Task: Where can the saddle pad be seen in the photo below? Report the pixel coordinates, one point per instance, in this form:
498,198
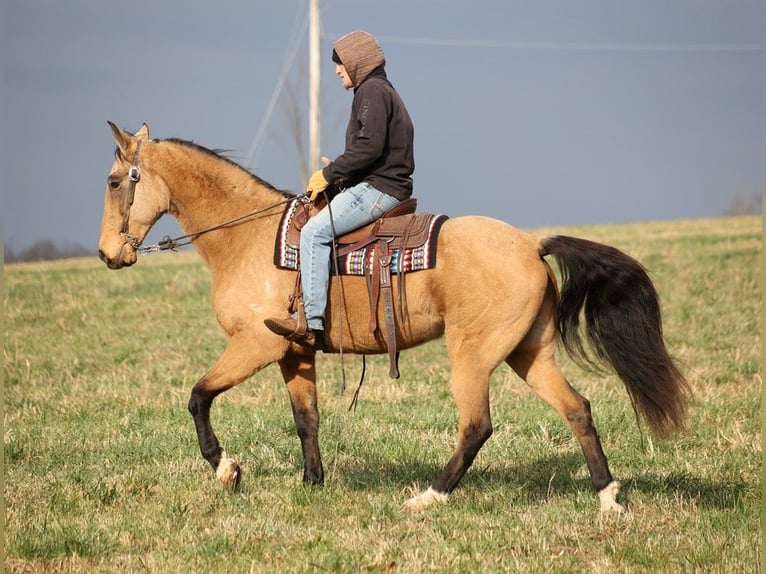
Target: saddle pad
359,262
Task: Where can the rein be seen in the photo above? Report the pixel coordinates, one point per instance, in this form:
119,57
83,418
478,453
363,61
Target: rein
168,243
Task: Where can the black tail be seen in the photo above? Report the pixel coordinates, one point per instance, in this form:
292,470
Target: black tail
623,326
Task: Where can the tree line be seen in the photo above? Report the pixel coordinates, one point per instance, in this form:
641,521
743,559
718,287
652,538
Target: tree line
46,250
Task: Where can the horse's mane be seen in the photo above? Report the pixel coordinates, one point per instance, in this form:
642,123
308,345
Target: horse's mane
217,154
220,154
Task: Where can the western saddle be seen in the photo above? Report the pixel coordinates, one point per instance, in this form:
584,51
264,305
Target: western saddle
399,228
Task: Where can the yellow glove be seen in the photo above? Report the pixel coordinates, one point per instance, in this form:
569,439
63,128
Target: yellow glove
317,184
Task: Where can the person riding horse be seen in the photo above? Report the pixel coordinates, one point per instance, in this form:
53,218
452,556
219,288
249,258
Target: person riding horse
375,171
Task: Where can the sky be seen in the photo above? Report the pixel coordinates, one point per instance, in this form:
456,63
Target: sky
537,112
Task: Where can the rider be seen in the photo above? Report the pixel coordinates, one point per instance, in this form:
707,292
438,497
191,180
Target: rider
374,172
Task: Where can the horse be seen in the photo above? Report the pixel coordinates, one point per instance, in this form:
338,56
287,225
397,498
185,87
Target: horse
492,296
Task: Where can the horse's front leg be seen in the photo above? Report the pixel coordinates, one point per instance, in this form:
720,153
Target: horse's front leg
300,376
227,470
241,359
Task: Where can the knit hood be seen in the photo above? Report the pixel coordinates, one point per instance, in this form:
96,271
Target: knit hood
360,54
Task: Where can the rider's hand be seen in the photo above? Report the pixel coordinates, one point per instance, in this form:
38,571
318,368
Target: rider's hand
317,184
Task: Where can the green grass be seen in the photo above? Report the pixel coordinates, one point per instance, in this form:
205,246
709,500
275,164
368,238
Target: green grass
103,474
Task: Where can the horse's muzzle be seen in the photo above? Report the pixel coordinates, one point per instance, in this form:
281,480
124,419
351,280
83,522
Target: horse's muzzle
120,260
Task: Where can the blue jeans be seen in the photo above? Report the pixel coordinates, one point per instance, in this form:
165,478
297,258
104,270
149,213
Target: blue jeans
351,209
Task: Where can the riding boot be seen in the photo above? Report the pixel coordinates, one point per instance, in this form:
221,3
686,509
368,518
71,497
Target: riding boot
291,329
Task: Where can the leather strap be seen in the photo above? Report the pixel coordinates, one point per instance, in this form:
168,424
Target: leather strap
134,176
296,306
374,286
384,258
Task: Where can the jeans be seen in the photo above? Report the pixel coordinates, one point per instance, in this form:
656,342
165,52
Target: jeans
351,209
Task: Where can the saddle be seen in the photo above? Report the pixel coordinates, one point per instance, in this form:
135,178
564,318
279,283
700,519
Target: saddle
382,248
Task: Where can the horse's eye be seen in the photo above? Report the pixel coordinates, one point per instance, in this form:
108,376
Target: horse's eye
114,183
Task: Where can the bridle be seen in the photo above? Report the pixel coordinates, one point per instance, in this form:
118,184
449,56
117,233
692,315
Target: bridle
168,243
134,175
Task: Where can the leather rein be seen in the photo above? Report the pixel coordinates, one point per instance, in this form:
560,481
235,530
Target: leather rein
168,243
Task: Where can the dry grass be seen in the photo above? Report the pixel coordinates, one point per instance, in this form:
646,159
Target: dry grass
102,471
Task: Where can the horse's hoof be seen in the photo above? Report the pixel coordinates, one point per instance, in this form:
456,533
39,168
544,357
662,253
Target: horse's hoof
228,472
424,500
608,498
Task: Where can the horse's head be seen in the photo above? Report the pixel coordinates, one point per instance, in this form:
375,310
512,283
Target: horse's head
136,197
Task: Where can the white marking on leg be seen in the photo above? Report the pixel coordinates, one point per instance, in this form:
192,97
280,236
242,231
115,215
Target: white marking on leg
425,499
227,471
608,498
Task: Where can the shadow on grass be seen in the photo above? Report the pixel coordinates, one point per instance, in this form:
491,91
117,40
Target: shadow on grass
535,481
724,495
538,480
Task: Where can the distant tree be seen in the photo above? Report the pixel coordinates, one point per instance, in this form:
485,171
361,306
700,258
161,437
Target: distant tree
44,250
293,108
744,205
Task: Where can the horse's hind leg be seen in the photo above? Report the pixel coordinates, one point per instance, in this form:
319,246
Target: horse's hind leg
470,388
538,368
300,376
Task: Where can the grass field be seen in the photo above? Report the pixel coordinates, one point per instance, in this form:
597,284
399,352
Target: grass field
103,474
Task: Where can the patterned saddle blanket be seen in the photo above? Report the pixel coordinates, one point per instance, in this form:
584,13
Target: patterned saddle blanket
411,240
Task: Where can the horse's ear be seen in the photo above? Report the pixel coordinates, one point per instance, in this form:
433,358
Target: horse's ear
143,133
121,137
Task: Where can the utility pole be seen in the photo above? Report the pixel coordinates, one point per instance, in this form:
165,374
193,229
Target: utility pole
314,70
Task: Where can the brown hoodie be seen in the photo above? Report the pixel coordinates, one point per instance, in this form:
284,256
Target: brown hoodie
380,135
360,53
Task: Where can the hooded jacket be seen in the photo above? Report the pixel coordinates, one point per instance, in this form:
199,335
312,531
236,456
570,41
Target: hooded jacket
379,135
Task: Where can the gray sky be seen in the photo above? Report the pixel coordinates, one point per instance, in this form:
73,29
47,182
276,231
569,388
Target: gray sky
538,112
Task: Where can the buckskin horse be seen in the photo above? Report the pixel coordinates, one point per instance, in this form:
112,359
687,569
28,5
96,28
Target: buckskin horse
491,294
